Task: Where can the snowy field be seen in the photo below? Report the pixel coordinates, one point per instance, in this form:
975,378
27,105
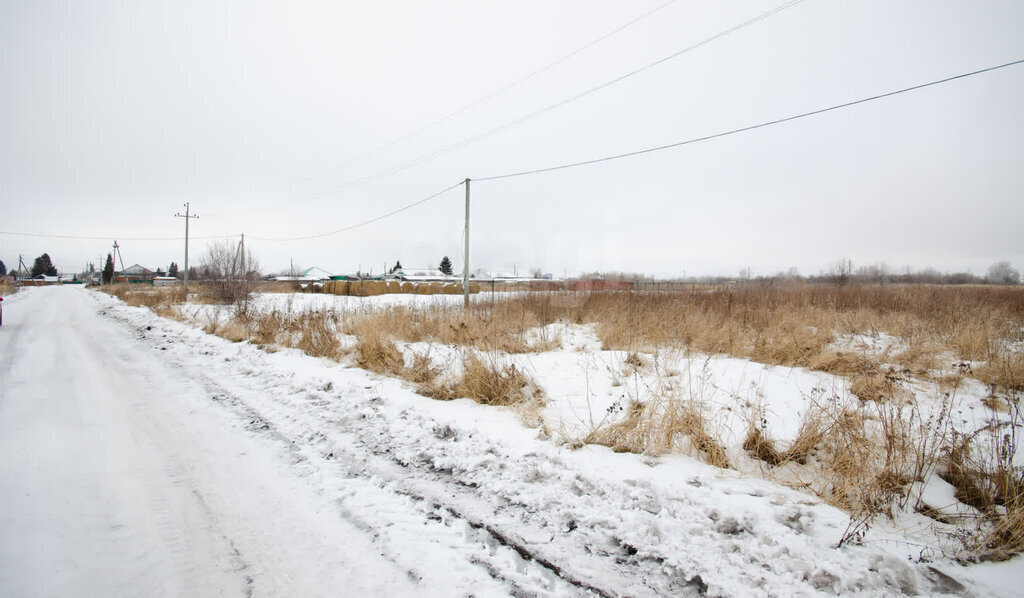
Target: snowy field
141,456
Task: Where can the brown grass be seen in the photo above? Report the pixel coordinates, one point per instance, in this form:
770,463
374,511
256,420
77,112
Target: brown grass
980,466
661,426
161,300
780,325
318,336
1003,369
377,353
492,384
861,456
809,438
877,385
485,382
794,325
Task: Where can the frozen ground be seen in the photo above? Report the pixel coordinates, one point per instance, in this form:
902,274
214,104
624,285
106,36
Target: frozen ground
140,456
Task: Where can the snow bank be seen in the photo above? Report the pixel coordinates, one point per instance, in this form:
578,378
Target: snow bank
589,519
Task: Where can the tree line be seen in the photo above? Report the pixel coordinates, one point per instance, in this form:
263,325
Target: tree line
42,265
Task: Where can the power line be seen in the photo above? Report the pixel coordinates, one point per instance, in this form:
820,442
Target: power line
434,154
562,166
365,222
496,92
748,128
109,237
302,238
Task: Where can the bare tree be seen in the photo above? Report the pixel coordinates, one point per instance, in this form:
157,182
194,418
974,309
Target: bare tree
1003,273
230,273
876,273
840,270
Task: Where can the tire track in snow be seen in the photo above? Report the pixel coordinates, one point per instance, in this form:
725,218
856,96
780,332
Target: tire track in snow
358,467
440,494
621,537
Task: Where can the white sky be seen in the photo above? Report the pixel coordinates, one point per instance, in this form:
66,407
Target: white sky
113,114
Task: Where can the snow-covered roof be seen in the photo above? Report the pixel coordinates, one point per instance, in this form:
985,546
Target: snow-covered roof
424,275
506,276
297,278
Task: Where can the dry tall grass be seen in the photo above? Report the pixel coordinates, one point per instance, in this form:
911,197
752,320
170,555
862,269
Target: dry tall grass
981,467
378,353
672,418
796,325
864,456
793,325
161,300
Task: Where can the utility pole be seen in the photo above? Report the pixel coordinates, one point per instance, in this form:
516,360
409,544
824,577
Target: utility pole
465,263
117,254
187,217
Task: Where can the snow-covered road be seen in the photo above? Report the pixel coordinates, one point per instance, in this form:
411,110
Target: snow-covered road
119,476
139,456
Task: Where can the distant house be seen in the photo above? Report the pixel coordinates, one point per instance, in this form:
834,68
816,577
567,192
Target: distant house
136,274
40,281
314,274
421,275
502,277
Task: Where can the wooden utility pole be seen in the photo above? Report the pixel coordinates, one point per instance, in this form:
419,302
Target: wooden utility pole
465,257
187,217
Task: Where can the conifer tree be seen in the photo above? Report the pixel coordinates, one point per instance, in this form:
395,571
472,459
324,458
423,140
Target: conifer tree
446,265
43,265
108,270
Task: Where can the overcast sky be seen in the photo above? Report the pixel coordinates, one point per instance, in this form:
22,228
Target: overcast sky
265,116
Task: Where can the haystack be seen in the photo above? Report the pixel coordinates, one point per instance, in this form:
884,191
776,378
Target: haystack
375,287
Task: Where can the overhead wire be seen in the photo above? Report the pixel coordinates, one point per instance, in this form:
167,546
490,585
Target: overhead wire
560,166
747,128
473,139
496,92
300,238
111,237
563,166
365,222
